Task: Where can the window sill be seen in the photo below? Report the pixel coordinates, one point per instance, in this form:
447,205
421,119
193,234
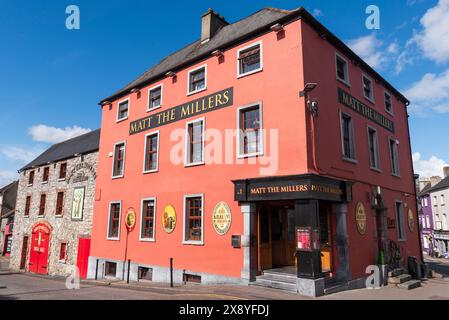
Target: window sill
62,261
41,216
396,175
117,177
196,164
154,108
61,179
147,240
402,240
353,161
196,91
150,171
59,215
344,82
376,169
113,239
250,155
249,73
389,112
121,120
369,99
193,243
44,182
30,185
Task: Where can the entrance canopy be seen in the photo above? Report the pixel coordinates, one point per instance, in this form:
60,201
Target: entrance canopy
298,187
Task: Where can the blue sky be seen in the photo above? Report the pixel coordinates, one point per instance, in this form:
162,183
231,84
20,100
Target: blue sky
52,78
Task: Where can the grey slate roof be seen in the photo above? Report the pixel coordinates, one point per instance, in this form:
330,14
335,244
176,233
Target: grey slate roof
425,190
9,198
234,33
443,184
83,144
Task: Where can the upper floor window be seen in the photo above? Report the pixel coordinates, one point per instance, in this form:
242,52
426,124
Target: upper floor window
197,80
31,178
425,202
373,148
60,204
119,160
46,174
250,59
428,222
155,98
148,219
151,152
368,91
342,68
388,102
400,221
444,222
347,136
27,206
435,201
123,110
250,139
42,204
114,220
442,200
195,142
63,171
193,232
394,156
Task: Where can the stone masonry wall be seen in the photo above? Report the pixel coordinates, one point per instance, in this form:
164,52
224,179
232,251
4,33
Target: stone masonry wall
64,229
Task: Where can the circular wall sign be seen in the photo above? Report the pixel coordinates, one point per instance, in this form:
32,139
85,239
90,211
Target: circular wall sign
130,219
360,217
222,218
411,220
169,219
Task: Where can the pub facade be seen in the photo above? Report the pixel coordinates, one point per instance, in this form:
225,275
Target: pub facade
266,147
55,200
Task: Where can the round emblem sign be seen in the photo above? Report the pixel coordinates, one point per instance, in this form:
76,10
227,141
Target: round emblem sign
360,217
169,219
222,218
411,220
130,219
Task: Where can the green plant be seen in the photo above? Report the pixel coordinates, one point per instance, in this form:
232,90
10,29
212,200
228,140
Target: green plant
381,258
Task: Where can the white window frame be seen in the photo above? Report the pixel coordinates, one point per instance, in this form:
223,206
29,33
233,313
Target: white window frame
444,222
352,133
398,173
145,152
443,200
204,66
425,202
391,112
400,222
119,221
240,75
427,218
191,242
124,160
154,220
240,154
161,85
435,201
371,99
376,148
187,142
345,81
117,120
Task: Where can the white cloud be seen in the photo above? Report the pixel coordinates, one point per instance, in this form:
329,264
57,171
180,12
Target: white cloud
433,39
7,177
21,155
373,50
43,133
317,13
430,94
428,168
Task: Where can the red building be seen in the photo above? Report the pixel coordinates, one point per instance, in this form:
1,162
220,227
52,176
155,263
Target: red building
265,136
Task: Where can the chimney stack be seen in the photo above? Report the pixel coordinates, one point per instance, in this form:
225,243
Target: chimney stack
211,22
446,172
434,180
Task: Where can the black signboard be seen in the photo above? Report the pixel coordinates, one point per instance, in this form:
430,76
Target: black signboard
300,187
206,104
361,108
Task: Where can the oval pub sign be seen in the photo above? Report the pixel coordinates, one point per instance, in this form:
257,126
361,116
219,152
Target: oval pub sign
169,219
222,218
360,217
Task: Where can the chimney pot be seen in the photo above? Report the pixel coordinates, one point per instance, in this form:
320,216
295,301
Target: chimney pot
446,172
211,22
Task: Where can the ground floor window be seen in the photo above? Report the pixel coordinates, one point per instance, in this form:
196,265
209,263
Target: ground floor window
148,213
400,221
145,274
110,269
114,220
63,252
193,219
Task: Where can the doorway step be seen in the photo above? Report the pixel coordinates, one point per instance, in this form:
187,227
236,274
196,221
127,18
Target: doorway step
400,279
332,286
277,280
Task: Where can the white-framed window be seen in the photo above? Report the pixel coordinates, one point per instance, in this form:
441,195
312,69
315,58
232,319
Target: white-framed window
437,222
342,68
155,97
123,110
394,156
443,202
428,222
388,102
193,231
347,137
425,202
151,157
114,217
368,91
148,220
250,131
197,80
194,151
435,201
444,222
373,146
118,165
400,221
250,59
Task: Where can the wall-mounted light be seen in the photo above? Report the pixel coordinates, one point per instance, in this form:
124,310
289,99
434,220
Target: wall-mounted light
277,27
307,89
135,90
312,105
171,74
217,53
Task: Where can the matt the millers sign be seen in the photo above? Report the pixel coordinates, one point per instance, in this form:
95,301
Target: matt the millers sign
361,108
206,104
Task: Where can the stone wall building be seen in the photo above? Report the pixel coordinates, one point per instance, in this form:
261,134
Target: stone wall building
8,195
54,208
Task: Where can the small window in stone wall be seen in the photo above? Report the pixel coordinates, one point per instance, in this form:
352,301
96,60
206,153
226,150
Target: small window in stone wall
110,269
63,252
145,274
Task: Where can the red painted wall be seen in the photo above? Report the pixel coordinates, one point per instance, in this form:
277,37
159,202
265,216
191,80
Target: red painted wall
277,86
